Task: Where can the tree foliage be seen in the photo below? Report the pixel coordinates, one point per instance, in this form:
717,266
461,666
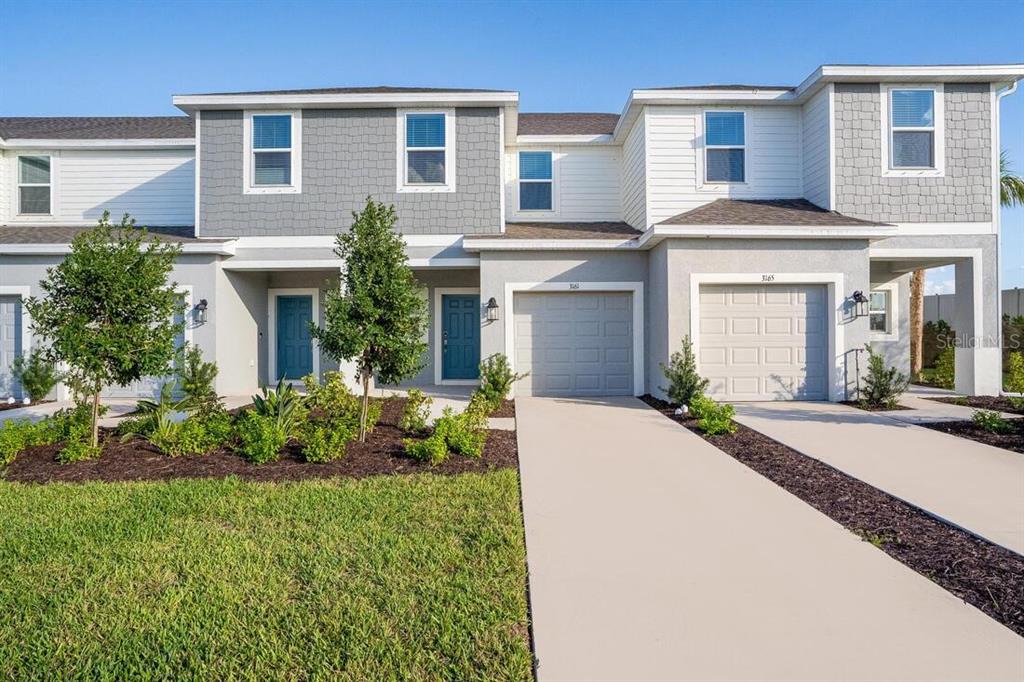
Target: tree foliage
377,317
108,311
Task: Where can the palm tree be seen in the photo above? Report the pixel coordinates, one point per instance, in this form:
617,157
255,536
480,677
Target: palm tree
1011,193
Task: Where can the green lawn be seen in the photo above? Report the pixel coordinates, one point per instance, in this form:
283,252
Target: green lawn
417,577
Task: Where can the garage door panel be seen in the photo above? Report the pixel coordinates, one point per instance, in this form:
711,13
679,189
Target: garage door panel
764,342
594,358
11,322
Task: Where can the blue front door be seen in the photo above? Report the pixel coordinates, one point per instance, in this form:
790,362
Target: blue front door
294,344
460,336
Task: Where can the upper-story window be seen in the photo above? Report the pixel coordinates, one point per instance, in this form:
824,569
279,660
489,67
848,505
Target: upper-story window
536,181
273,152
724,146
427,151
34,185
913,139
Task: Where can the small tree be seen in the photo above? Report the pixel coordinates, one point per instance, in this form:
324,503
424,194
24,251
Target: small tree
684,381
377,317
883,385
108,310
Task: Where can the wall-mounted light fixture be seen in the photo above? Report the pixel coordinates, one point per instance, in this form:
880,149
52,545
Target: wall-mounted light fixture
860,302
201,311
492,310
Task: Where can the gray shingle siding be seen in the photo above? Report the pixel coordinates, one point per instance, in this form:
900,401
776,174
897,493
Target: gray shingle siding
964,194
347,155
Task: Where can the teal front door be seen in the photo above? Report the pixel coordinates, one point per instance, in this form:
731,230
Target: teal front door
460,336
294,344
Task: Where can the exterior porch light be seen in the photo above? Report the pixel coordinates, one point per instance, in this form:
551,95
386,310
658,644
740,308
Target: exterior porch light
861,303
492,310
201,311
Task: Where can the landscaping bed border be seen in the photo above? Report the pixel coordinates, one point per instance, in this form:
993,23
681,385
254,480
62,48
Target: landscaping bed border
985,575
1012,440
980,402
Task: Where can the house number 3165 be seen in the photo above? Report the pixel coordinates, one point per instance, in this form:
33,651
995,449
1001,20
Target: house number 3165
767,278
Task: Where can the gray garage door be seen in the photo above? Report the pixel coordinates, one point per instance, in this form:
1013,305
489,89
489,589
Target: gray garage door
574,344
147,387
10,344
764,342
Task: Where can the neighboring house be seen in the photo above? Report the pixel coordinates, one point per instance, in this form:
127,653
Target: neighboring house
583,246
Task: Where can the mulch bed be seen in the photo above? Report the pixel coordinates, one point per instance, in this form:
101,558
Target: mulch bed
983,402
507,409
19,404
984,575
872,408
1011,440
137,460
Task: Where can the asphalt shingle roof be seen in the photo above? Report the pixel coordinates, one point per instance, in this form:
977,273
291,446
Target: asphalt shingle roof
63,234
567,124
96,127
763,212
362,90
606,230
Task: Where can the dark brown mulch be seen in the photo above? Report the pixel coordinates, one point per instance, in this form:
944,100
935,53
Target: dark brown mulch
16,405
507,409
983,402
984,575
382,454
1011,440
872,408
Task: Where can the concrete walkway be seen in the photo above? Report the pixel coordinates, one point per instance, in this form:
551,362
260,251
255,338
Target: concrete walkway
924,411
654,556
975,486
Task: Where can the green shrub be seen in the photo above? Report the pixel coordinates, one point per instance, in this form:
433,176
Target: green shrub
684,383
196,378
284,405
15,436
36,374
338,403
935,337
196,435
260,437
945,368
496,379
416,412
78,451
462,433
713,418
432,450
1015,372
139,425
70,424
326,441
883,385
991,421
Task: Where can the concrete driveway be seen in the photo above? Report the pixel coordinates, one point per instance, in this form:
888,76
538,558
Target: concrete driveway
654,556
975,486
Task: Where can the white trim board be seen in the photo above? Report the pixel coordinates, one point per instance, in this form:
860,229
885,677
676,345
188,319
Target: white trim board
295,154
22,292
892,314
450,154
272,295
154,143
439,292
636,288
938,130
330,241
834,282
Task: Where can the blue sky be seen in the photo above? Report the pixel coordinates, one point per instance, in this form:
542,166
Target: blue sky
93,58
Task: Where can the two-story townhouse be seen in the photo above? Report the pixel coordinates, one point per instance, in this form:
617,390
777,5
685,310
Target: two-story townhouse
776,226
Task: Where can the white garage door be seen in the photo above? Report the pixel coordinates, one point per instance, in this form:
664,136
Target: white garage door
574,344
764,342
10,344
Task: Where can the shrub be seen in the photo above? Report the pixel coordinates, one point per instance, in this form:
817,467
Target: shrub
883,385
416,412
464,434
684,383
1015,372
496,379
991,421
78,451
196,379
337,401
713,418
15,436
433,450
70,424
36,374
284,405
945,368
326,441
260,436
935,337
196,435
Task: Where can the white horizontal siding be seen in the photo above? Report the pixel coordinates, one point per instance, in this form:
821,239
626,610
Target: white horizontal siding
815,148
155,186
675,159
634,176
5,187
587,181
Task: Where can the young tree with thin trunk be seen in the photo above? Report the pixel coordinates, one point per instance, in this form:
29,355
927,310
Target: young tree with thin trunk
377,316
108,311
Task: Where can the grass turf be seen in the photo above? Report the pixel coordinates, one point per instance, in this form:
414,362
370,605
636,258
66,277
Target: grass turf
417,577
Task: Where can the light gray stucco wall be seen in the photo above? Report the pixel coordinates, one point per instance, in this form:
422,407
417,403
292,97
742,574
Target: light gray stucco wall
347,155
896,351
964,194
684,257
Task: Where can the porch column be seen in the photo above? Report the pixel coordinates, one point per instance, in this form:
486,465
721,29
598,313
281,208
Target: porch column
978,361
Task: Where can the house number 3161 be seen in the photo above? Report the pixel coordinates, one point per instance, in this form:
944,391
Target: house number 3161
767,278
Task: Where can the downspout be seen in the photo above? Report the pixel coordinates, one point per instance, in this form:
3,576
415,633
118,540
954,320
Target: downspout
997,217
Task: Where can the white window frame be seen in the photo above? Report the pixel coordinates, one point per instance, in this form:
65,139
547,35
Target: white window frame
704,156
18,184
938,130
449,153
248,162
892,329
520,181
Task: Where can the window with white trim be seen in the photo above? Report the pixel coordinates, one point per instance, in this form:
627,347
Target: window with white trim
912,128
35,188
426,149
725,146
536,181
273,152
878,311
